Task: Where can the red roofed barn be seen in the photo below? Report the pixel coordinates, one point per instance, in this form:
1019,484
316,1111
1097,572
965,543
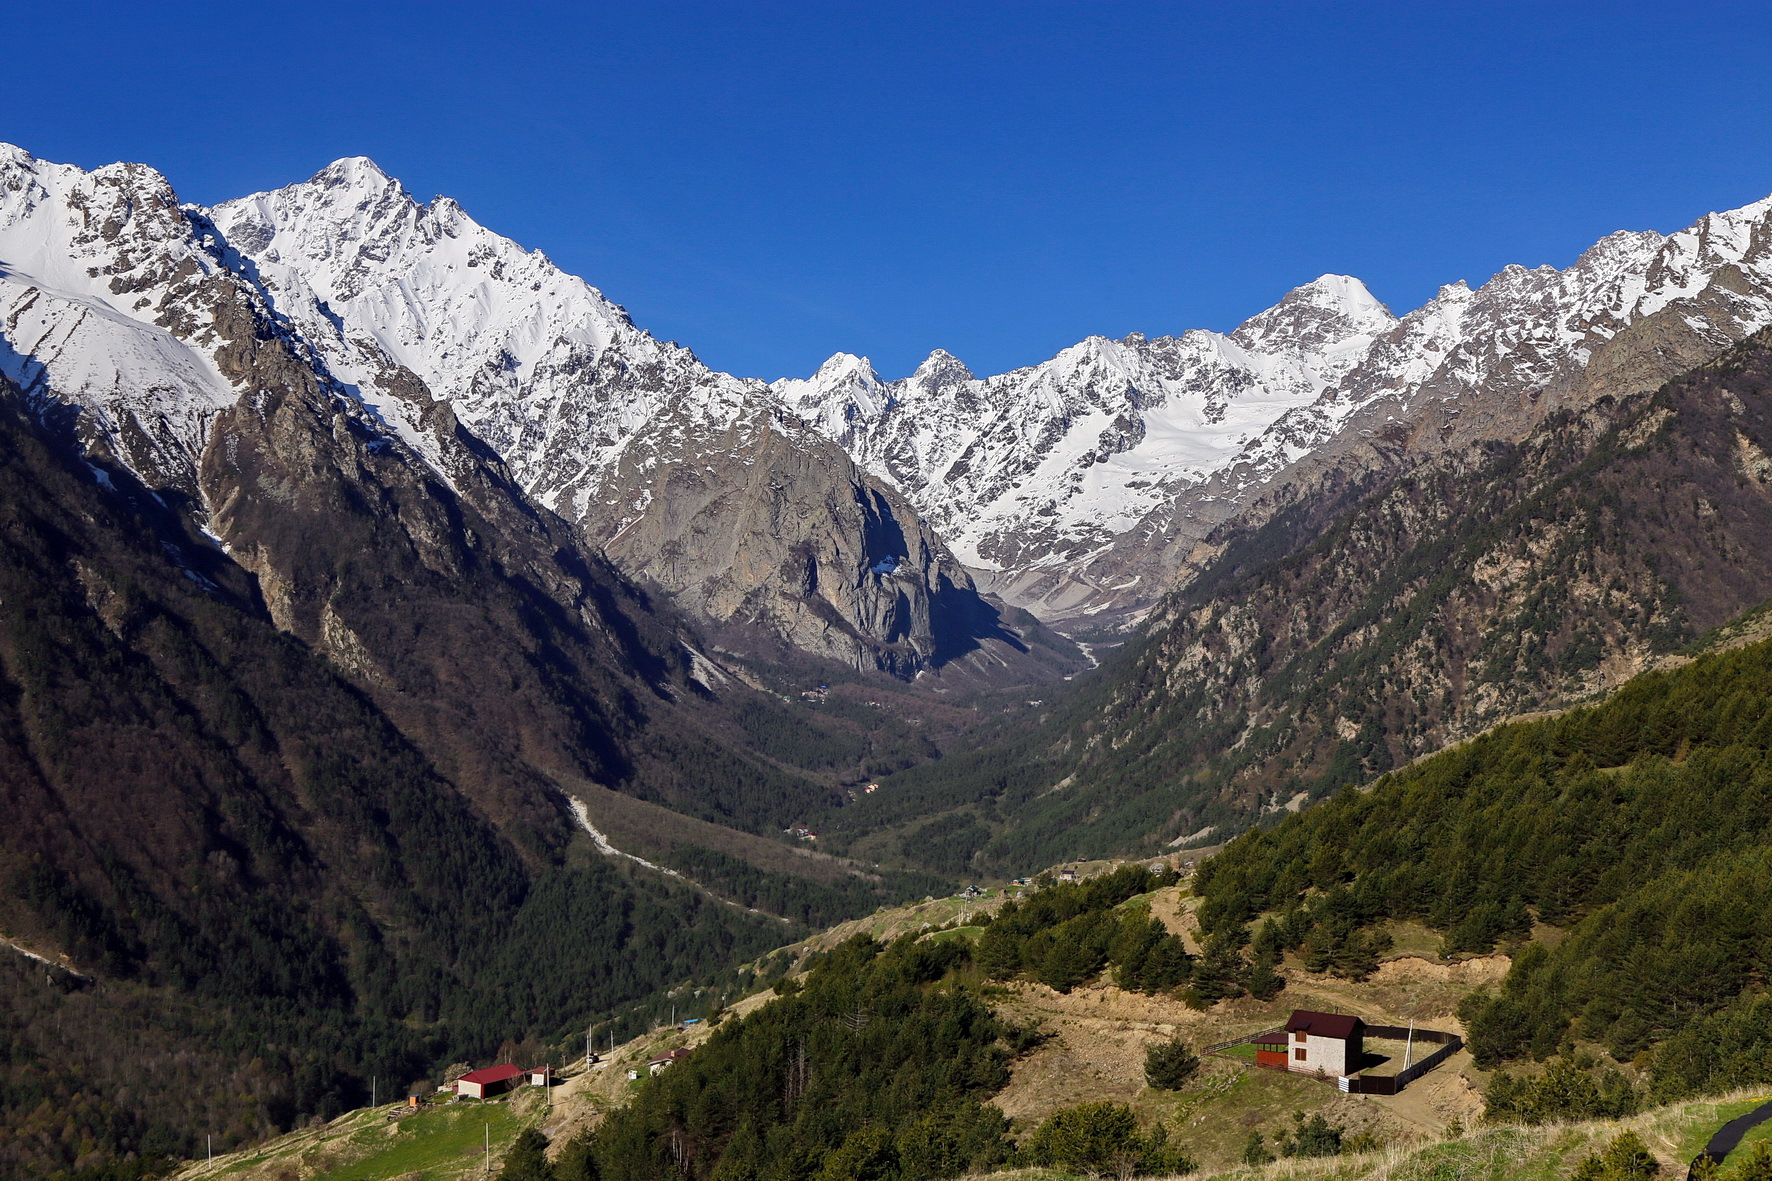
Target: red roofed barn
478,1084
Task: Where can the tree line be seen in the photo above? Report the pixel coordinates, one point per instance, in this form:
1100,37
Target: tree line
878,1064
1641,826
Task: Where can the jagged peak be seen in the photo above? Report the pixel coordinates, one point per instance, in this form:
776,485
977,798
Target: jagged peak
358,172
847,367
1343,295
941,367
1328,309
133,176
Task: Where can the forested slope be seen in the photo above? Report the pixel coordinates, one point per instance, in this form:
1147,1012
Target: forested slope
267,891
881,1060
1355,631
1640,828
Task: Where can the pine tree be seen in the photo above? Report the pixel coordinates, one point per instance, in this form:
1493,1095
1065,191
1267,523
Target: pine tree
999,952
1757,1167
576,1161
1265,982
1169,1065
527,1158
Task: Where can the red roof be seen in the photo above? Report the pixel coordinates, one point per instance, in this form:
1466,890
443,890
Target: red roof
491,1074
1339,1026
1276,1038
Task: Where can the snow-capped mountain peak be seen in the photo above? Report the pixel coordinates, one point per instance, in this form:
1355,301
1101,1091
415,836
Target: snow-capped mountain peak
1082,480
1326,311
1077,481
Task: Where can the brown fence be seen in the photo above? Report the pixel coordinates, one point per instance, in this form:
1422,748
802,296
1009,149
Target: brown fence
1215,1047
1389,1084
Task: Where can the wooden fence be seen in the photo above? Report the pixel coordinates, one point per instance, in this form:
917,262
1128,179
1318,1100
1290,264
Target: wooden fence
1215,1047
1389,1084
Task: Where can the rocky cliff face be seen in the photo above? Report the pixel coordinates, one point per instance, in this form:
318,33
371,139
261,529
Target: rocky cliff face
1034,475
694,480
380,530
1084,484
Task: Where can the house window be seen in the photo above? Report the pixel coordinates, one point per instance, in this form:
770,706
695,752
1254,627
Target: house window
1299,1036
1299,1053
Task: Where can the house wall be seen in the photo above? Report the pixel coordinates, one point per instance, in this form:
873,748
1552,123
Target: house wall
1328,1053
471,1090
1320,1053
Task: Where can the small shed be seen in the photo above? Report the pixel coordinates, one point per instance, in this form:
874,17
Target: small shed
654,1065
1273,1050
539,1076
492,1080
1331,1043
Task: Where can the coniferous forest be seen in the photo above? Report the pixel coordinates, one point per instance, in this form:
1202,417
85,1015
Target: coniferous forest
1640,828
876,1066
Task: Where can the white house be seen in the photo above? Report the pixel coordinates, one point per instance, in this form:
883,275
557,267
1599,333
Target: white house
1327,1042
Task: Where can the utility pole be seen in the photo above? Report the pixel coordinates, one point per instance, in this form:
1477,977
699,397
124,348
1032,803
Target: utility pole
372,1081
209,1141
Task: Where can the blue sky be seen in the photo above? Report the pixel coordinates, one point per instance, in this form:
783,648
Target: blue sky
770,183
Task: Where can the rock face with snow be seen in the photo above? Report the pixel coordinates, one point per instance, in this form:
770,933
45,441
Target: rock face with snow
1084,483
428,337
847,514
694,480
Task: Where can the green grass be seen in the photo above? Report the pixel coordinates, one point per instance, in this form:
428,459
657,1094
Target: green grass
1699,1135
1547,1153
437,1139
956,933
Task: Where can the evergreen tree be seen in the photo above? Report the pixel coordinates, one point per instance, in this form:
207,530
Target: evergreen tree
1627,1158
1756,1167
1265,981
1315,1136
1098,1138
527,1160
576,1161
1169,1065
999,951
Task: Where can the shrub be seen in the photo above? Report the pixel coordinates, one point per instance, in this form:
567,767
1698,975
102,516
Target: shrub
1097,1138
1169,1065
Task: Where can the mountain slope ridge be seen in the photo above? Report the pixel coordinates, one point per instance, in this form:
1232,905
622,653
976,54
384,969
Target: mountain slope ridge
1086,482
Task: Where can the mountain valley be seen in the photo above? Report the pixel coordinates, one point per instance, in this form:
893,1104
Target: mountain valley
406,659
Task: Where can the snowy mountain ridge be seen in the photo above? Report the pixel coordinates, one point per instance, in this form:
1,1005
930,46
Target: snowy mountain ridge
1083,482
1046,463
430,338
1075,485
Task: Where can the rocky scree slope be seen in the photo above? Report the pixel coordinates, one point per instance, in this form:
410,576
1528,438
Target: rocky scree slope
695,481
1084,484
1352,632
